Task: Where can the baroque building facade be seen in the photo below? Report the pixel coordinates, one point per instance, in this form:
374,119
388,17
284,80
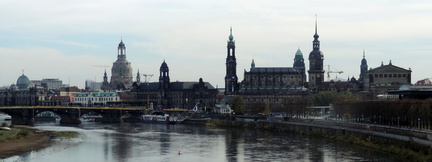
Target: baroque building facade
23,93
166,94
121,72
380,80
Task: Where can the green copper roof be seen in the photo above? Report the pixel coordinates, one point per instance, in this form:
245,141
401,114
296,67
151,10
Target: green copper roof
299,52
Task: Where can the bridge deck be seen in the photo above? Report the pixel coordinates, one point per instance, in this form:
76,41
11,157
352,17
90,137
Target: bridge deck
70,107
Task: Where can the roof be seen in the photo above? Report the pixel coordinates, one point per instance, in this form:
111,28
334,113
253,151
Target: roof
188,85
174,85
96,94
387,67
273,70
149,86
316,54
23,81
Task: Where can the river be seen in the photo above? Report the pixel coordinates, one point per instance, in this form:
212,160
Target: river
137,142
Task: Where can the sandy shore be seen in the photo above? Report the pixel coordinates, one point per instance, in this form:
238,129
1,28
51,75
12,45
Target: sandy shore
35,140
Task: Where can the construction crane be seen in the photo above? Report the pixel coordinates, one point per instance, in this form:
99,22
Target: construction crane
147,77
328,72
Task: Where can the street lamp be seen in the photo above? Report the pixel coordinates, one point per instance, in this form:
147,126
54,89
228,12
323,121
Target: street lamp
398,121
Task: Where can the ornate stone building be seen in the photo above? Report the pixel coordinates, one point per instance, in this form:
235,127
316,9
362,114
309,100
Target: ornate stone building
316,59
272,85
167,94
385,78
121,72
21,94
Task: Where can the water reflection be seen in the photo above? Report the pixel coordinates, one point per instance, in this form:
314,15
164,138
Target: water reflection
159,142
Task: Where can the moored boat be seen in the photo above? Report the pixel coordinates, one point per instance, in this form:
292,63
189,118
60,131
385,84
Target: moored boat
165,119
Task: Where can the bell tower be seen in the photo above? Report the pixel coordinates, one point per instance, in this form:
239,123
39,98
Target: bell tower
231,79
316,67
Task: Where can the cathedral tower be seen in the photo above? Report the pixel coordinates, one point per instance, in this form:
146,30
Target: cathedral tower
316,59
231,84
363,67
121,71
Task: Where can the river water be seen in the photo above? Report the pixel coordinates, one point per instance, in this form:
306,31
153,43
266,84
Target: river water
137,142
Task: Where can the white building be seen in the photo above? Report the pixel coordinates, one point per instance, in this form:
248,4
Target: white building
95,98
96,86
50,84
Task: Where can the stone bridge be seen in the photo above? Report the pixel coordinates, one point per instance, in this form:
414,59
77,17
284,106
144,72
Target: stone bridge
24,115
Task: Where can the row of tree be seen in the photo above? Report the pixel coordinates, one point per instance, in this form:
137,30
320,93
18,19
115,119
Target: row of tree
409,113
290,105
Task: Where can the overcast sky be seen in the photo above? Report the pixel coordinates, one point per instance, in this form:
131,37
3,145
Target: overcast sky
74,40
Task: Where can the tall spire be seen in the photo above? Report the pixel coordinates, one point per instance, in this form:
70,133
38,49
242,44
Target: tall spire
316,27
316,44
253,64
363,53
138,77
231,37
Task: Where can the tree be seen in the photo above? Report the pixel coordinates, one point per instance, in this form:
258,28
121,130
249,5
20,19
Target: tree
261,108
238,105
325,98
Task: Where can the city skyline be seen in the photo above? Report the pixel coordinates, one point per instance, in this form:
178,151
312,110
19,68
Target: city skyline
73,40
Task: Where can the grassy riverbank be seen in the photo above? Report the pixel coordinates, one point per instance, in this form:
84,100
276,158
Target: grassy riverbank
23,139
416,152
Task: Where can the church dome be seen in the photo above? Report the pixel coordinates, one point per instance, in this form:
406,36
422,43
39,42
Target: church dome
363,61
23,82
121,44
164,66
299,52
316,54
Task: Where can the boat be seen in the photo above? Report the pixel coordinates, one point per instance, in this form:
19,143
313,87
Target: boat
5,116
164,119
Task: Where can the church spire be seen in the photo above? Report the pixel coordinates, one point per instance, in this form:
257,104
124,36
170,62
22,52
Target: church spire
231,79
316,63
316,27
253,64
138,77
363,53
105,78
231,37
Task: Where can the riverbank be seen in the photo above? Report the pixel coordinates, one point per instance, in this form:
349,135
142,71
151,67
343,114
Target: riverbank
22,139
407,147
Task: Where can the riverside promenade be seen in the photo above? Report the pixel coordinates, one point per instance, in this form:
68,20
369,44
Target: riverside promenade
421,136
